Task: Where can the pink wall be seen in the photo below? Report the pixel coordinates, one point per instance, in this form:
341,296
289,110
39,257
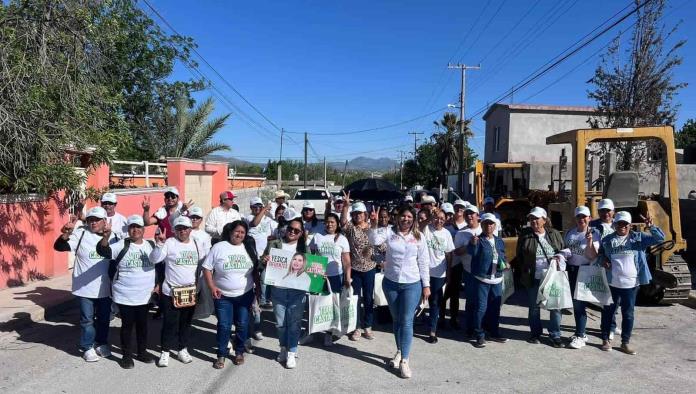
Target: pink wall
29,225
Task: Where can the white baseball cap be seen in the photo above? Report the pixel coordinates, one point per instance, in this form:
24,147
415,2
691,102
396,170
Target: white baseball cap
255,201
538,212
428,200
472,208
338,198
606,203
182,221
489,200
447,208
195,211
135,219
108,197
489,217
408,198
461,203
582,210
172,189
96,212
307,205
358,207
623,216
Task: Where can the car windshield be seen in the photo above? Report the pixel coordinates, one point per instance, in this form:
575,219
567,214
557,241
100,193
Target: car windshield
310,195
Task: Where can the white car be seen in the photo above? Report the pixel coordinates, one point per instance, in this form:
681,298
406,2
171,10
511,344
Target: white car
317,197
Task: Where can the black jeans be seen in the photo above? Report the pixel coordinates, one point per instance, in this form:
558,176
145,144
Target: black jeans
176,325
133,315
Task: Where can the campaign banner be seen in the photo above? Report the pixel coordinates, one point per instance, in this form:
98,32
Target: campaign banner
291,270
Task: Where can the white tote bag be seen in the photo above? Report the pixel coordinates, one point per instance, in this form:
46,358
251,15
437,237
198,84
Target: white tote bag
592,285
508,285
557,291
380,299
348,303
324,313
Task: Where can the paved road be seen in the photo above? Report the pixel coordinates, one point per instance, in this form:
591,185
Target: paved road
43,358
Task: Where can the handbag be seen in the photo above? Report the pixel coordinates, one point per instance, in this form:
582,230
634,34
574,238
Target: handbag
185,296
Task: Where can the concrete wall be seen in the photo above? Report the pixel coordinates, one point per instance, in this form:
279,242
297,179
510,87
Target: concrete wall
528,132
498,118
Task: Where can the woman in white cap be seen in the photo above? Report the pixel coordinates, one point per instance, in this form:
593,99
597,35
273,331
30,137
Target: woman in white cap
231,271
458,221
362,263
196,215
133,280
461,268
312,224
334,246
406,279
261,228
487,265
181,256
117,221
90,282
538,246
489,207
165,216
605,223
623,254
288,304
440,247
583,242
221,215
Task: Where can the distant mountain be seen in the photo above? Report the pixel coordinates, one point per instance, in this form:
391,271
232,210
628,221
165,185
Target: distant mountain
230,160
367,164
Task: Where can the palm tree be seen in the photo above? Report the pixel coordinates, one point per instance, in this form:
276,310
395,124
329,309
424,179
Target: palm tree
447,142
183,131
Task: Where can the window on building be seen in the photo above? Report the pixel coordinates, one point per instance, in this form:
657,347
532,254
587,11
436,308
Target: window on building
496,139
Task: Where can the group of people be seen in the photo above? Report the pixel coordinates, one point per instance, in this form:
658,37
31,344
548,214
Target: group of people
425,256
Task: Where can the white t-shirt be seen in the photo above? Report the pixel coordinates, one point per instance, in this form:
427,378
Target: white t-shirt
624,274
261,232
204,241
135,276
181,261
463,238
542,263
289,247
576,242
318,228
439,244
232,268
119,225
607,229
492,280
91,271
333,249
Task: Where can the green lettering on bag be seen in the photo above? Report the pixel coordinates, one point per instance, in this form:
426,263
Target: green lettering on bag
595,284
554,291
325,315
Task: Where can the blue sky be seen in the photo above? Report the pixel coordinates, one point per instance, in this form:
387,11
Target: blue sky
332,67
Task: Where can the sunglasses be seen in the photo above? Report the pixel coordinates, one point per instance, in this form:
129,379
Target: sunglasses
181,228
170,195
195,218
294,230
107,203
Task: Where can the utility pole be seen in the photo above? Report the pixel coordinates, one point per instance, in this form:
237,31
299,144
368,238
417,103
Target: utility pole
343,180
280,161
325,172
306,141
401,170
415,141
462,120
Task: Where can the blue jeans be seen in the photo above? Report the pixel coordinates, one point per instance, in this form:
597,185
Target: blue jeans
627,299
228,309
336,283
288,307
579,307
364,287
487,313
94,322
470,292
534,315
403,300
434,301
265,290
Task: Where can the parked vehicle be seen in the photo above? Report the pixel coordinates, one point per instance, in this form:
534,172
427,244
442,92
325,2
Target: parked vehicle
316,196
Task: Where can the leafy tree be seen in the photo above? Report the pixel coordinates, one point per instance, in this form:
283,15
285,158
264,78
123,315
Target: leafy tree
638,91
182,131
687,135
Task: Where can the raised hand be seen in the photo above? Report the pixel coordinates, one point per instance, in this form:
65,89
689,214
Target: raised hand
187,205
373,215
475,240
647,220
107,230
346,197
160,236
146,203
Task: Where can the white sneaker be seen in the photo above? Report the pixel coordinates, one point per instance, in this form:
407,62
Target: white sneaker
104,351
258,336
405,369
577,342
328,340
611,335
184,356
291,363
229,344
283,355
163,360
90,355
249,346
396,361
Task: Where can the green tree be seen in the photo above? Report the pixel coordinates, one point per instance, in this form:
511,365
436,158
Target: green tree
183,131
638,91
687,135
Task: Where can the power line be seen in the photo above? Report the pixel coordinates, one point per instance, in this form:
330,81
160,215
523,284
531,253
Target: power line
543,70
481,31
497,44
